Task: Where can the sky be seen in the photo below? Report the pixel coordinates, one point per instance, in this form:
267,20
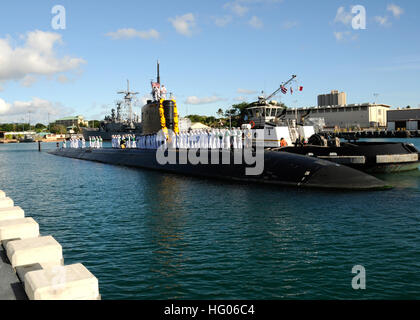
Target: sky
212,53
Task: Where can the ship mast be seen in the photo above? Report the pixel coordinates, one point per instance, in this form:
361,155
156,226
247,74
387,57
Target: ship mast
281,86
128,97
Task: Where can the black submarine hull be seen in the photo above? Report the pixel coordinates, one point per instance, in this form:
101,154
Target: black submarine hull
370,157
280,168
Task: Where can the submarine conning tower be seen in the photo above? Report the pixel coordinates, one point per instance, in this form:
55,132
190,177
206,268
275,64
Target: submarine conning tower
159,113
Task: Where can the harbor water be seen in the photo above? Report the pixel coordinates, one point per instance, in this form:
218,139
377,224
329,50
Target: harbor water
153,235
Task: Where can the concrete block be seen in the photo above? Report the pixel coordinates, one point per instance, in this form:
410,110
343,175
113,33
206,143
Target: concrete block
73,282
6,203
43,250
22,271
5,242
11,213
2,194
19,228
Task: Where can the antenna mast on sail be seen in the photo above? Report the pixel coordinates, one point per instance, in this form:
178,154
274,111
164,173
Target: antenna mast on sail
158,72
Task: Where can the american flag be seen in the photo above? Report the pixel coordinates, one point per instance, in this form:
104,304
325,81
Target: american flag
155,85
283,89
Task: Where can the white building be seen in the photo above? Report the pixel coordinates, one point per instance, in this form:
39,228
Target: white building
348,116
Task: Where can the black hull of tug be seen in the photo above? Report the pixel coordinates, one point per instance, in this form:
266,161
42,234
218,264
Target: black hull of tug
370,157
280,168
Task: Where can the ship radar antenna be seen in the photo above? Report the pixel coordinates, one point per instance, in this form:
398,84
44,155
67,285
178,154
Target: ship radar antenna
128,97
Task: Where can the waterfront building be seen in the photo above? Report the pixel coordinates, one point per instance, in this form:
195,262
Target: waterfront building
404,119
350,116
72,122
15,135
334,98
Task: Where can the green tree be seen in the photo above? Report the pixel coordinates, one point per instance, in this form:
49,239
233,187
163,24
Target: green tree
220,112
40,126
94,124
58,129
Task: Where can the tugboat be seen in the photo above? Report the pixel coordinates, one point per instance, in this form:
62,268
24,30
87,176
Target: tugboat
302,138
275,168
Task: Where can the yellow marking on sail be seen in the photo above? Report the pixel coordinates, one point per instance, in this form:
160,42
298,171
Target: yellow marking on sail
176,117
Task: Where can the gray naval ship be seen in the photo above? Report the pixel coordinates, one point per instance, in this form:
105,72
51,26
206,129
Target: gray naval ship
279,168
121,121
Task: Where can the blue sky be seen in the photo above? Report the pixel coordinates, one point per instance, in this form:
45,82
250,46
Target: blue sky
212,53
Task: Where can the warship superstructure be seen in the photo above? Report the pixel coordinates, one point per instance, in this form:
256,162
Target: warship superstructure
122,119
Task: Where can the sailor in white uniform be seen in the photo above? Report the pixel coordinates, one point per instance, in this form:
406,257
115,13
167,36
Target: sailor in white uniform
163,92
226,143
234,138
247,138
239,134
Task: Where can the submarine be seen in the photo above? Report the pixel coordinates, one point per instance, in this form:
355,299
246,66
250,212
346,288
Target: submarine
279,168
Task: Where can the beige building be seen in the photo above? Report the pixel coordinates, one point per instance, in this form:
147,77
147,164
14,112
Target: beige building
77,121
347,116
334,98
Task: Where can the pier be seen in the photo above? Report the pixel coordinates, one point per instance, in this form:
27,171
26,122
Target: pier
32,265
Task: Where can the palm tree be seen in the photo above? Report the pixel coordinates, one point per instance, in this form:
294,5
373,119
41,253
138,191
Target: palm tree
220,112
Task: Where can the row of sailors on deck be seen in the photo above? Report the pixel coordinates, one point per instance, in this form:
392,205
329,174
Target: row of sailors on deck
234,138
80,143
124,141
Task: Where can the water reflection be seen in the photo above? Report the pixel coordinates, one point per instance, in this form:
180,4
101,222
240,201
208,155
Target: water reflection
165,229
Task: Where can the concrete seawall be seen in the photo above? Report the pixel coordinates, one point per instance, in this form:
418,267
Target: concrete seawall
32,266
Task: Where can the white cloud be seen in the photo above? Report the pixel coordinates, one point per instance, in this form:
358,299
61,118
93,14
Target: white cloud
343,16
245,91
396,10
63,79
236,8
382,21
289,24
130,33
222,21
345,35
241,99
36,57
28,81
38,109
184,24
255,22
204,100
